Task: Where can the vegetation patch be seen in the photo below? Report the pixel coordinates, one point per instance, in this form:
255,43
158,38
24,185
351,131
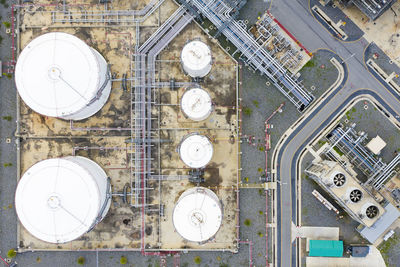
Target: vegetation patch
8,164
311,63
7,24
260,234
7,118
123,260
247,222
338,151
197,260
80,260
12,253
247,111
256,103
385,247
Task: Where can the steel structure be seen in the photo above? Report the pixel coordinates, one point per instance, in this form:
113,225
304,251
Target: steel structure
105,16
350,143
219,13
379,178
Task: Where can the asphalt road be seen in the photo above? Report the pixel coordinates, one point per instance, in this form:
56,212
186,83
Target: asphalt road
295,16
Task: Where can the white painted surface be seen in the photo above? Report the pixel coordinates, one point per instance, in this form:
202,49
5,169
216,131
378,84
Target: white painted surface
196,151
197,215
196,104
196,59
58,75
58,200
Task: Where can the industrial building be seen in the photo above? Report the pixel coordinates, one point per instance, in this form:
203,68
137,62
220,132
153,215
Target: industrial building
350,170
345,189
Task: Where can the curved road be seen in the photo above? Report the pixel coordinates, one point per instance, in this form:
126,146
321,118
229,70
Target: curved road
296,17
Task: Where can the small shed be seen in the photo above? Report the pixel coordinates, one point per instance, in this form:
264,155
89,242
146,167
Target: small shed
326,248
359,251
376,145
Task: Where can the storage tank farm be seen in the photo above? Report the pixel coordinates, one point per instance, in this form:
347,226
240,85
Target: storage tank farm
197,215
59,75
196,59
58,200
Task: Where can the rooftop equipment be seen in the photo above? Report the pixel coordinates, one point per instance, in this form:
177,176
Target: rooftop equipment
197,215
196,59
196,104
58,200
58,75
195,150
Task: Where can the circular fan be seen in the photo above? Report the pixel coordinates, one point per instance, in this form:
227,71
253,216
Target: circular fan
339,179
372,211
355,195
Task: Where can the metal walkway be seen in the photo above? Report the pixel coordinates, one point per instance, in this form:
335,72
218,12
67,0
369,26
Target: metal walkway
219,13
145,58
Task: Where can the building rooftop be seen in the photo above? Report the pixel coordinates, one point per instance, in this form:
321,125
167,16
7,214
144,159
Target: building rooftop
346,190
376,145
381,226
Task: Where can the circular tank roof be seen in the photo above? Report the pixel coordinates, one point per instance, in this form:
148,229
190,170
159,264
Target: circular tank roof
197,215
196,151
57,74
196,104
57,200
196,56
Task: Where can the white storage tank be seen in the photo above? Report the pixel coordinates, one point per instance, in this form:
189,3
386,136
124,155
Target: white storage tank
58,200
196,104
196,59
197,215
58,75
195,150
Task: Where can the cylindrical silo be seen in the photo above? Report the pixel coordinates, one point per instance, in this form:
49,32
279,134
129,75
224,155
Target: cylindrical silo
58,200
196,104
197,215
196,59
195,150
59,75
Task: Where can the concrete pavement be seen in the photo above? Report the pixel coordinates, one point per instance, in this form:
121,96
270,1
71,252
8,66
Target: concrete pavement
296,17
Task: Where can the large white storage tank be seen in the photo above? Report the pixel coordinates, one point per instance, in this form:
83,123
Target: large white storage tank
196,104
196,59
197,215
58,200
58,75
195,150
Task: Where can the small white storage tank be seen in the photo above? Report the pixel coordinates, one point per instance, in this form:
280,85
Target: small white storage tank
196,59
197,215
58,75
196,104
195,150
58,200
